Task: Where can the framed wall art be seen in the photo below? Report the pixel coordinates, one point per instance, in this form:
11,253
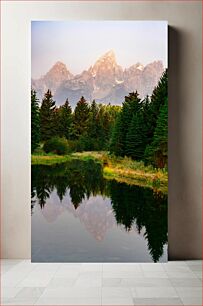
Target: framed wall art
99,134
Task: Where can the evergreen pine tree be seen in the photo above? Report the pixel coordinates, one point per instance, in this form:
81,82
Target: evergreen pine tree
137,135
146,107
35,127
104,126
93,120
47,117
160,93
81,116
157,152
64,120
115,146
90,138
130,107
158,99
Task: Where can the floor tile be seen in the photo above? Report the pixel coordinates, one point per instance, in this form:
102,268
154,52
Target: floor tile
127,267
198,274
9,292
192,301
90,275
61,282
22,301
116,292
178,274
6,268
69,301
68,272
97,282
30,292
46,267
175,263
177,268
157,301
193,262
146,282
88,267
73,292
189,291
185,282
112,282
36,280
150,267
15,275
155,274
117,301
4,301
154,292
122,274
196,268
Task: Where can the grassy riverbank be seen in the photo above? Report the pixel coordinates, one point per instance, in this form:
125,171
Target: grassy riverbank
121,169
49,159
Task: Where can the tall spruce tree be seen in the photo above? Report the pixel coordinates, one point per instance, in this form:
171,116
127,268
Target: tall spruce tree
93,124
104,126
47,117
80,119
146,126
157,152
130,107
35,124
64,120
115,146
100,124
90,137
160,93
137,135
158,99
113,112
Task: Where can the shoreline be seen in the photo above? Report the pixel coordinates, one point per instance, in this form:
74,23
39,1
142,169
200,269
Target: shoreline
121,169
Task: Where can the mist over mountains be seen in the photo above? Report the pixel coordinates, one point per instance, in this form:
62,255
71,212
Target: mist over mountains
105,81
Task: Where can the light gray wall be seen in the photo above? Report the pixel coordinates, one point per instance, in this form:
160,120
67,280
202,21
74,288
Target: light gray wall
185,62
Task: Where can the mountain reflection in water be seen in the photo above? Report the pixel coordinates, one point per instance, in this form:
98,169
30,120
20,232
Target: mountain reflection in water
104,208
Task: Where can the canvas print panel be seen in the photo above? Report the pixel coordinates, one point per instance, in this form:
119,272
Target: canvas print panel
99,134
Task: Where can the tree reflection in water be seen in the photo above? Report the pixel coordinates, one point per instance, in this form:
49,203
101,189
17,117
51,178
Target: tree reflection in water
131,205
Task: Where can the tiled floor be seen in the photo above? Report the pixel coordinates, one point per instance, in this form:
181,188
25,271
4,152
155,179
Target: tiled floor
172,283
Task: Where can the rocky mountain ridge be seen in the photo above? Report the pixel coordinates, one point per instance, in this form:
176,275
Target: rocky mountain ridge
105,81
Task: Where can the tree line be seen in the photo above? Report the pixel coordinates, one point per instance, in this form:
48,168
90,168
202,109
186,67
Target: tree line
141,129
137,129
88,127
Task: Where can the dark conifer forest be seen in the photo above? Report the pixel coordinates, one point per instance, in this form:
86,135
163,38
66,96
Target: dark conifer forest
138,129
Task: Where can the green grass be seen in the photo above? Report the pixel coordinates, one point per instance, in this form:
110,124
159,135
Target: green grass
121,169
130,171
52,159
49,159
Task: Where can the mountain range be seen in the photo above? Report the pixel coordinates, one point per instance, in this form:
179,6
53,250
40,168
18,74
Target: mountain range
105,81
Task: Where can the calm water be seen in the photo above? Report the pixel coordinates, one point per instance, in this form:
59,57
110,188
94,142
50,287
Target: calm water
78,216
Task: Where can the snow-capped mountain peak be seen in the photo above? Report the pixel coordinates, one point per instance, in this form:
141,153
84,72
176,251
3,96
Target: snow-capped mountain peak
105,81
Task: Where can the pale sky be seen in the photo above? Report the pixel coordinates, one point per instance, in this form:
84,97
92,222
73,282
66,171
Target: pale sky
78,44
